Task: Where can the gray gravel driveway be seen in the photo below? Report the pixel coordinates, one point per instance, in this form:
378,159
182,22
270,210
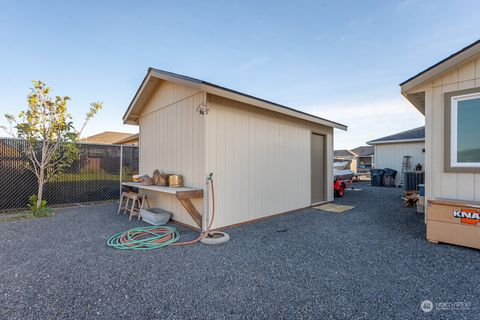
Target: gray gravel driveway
372,262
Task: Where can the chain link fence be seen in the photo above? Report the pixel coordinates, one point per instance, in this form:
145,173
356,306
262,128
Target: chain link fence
96,176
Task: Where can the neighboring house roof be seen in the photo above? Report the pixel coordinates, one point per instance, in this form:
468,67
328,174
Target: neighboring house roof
149,84
9,149
364,151
133,138
418,98
106,137
343,153
413,135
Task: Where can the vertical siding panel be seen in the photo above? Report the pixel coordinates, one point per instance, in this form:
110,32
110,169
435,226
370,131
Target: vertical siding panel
230,144
283,136
476,196
266,172
428,167
240,159
305,157
329,174
256,165
436,145
257,127
221,162
277,156
213,125
391,155
165,136
245,161
466,72
253,141
450,180
262,162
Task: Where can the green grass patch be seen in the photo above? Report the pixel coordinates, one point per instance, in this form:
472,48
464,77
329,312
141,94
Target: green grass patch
26,215
74,177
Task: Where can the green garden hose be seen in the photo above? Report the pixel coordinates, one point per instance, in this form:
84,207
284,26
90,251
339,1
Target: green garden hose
144,238
148,238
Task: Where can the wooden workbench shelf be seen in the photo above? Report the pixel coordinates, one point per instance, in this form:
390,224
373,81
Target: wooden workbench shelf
183,194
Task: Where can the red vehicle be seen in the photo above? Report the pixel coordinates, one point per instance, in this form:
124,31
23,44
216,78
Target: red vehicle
339,186
342,177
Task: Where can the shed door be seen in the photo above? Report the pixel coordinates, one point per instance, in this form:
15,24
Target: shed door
318,167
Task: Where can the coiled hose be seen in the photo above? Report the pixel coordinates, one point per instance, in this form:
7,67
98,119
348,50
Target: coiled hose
144,238
154,237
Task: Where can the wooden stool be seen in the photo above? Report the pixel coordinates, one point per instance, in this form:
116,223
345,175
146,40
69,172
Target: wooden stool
125,196
133,203
137,204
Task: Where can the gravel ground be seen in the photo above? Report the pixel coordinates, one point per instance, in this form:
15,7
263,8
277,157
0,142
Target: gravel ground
372,262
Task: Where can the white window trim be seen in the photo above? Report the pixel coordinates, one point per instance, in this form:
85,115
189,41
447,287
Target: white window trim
453,131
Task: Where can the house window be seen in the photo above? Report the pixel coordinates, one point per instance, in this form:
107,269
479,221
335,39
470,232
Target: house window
462,131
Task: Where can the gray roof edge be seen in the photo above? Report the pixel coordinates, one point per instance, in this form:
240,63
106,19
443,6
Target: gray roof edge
201,82
402,136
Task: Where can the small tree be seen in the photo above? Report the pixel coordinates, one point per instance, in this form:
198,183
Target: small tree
49,133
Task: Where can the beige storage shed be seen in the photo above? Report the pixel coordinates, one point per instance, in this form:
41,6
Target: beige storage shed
265,158
448,94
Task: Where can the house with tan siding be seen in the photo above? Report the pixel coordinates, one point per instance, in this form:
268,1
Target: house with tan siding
448,94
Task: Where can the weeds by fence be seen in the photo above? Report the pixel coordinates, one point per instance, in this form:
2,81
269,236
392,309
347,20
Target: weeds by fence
95,176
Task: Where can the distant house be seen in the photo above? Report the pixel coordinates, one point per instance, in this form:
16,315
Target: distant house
360,157
112,137
10,155
364,158
345,155
401,150
130,140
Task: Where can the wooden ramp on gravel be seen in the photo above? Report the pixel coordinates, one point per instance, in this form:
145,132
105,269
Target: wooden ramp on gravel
337,208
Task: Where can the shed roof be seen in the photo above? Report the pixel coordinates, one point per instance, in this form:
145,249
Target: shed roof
412,135
364,151
147,88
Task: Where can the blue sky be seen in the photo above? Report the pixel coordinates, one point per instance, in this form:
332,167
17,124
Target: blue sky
341,60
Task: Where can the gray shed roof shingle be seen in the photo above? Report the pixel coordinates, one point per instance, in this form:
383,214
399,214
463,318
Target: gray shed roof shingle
413,134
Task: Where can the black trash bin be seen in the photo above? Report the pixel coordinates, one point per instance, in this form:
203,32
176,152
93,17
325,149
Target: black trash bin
389,177
377,177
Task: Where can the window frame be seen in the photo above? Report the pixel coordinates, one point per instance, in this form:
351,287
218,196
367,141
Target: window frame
451,100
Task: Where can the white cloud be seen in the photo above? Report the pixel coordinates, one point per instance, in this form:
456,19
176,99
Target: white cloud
369,120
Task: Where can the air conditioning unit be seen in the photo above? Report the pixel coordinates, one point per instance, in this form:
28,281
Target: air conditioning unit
412,179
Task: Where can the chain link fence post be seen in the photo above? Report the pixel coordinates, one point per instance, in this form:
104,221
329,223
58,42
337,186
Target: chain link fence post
121,171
